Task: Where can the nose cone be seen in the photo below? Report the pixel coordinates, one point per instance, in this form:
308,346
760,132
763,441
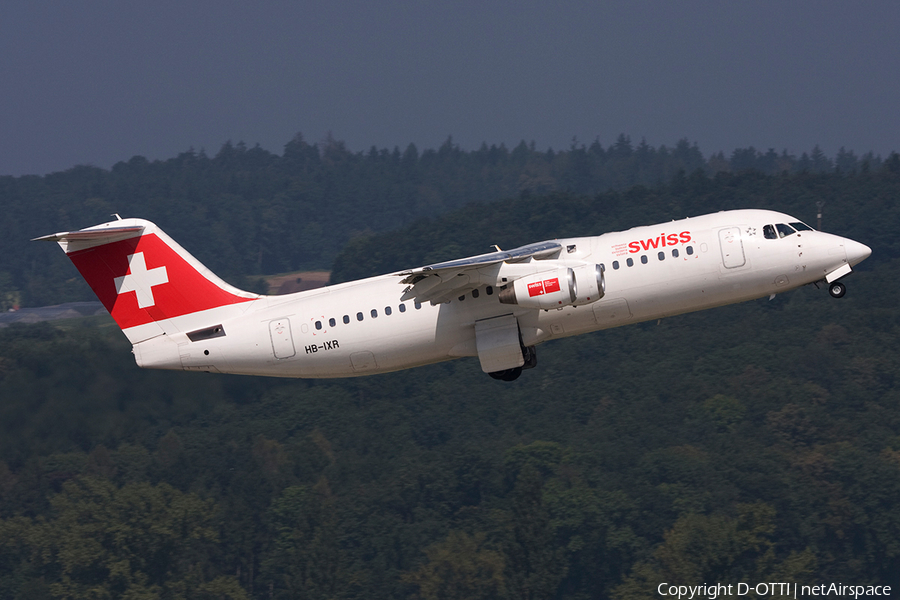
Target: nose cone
856,252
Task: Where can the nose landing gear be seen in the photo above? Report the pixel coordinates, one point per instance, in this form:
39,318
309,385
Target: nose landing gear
837,289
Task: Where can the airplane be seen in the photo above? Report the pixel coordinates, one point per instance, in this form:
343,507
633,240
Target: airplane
497,306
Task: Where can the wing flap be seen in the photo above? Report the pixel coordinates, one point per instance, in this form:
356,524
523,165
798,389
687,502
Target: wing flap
442,281
448,295
425,285
457,285
540,250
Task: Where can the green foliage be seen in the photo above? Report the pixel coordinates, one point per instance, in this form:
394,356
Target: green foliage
246,212
535,564
10,297
858,205
751,442
102,541
701,549
723,411
462,567
304,561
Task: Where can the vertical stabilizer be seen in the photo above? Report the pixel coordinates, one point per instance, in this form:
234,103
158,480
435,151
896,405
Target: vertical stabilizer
148,283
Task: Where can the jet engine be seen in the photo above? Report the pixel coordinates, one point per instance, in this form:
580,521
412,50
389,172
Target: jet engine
563,286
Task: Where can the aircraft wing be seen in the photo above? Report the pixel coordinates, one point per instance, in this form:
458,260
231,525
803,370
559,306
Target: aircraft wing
442,281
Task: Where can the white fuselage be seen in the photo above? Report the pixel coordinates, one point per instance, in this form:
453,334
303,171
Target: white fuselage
362,327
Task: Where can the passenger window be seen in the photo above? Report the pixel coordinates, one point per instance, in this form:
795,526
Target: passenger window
662,256
488,290
474,293
346,319
674,252
463,297
402,308
643,259
332,322
418,305
615,265
359,316
689,250
387,310
374,313
318,324
801,226
785,230
630,262
769,232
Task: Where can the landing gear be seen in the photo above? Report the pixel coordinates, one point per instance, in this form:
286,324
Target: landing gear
507,374
529,354
837,289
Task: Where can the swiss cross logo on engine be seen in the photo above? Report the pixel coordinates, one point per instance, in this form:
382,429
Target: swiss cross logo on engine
539,288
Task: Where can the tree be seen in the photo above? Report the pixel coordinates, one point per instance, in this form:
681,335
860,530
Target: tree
137,541
304,560
535,564
462,567
701,549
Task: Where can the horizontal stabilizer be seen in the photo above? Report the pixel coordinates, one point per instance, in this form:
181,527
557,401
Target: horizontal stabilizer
88,234
73,241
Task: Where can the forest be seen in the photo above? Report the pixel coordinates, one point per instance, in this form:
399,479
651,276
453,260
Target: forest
754,442
247,212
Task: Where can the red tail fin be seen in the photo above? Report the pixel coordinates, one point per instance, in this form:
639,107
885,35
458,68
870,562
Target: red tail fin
142,276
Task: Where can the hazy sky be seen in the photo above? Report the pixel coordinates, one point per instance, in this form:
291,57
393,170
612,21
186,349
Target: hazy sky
96,82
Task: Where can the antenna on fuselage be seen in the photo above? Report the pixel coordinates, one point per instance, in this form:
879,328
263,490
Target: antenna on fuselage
819,205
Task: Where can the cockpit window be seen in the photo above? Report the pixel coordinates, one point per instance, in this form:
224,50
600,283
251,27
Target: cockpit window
801,226
785,230
769,232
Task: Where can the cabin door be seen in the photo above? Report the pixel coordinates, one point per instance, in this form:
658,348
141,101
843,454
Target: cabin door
282,339
732,248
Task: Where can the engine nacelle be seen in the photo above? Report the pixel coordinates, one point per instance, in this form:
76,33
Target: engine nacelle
590,284
564,286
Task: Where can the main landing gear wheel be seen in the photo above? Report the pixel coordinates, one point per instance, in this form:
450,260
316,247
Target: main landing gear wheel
507,374
837,289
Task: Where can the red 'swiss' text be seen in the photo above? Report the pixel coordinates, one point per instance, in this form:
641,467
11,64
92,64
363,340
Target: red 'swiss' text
661,241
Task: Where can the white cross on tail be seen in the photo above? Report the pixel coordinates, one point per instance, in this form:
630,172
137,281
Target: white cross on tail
140,280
